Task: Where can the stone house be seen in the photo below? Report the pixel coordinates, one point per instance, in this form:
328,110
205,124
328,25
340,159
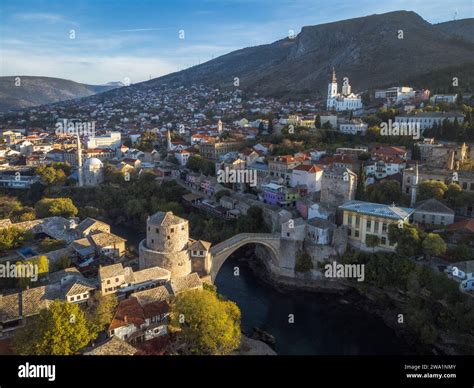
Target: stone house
433,212
115,278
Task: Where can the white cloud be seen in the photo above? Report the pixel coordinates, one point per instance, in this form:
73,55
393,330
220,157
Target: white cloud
86,69
42,17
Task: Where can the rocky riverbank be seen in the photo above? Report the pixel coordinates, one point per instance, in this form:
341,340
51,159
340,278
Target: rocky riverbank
253,347
382,303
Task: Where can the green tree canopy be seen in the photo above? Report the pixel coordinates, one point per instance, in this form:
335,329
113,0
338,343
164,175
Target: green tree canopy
431,189
60,330
433,245
48,207
208,325
304,263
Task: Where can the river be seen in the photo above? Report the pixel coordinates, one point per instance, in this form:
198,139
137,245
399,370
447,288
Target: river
323,323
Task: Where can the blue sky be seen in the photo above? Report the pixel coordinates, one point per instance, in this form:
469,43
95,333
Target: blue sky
136,39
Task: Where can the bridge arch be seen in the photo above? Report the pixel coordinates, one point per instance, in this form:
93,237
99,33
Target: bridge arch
221,251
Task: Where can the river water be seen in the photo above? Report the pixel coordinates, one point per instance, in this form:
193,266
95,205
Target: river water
323,324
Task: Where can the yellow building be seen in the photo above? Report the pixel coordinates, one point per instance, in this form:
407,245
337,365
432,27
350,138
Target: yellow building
365,219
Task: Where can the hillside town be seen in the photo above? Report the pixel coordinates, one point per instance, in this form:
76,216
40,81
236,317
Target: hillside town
388,171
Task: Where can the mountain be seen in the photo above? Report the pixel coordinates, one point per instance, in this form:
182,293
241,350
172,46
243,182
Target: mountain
367,50
34,91
463,29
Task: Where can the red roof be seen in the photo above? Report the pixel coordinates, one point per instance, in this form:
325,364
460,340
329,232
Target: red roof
308,167
462,225
128,312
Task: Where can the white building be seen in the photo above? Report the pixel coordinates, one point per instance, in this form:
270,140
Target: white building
352,127
346,100
307,175
111,140
428,119
448,98
92,172
182,157
396,94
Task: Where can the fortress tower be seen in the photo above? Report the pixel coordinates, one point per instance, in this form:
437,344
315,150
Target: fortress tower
166,244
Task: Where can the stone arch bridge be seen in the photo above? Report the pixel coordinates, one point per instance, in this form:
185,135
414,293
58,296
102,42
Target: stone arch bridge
221,251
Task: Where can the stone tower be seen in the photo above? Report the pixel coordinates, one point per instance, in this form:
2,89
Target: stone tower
166,244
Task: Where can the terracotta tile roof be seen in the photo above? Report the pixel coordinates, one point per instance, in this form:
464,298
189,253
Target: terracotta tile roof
467,225
128,312
154,309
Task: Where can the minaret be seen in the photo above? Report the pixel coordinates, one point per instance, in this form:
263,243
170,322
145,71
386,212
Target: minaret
79,159
219,126
414,187
169,146
332,90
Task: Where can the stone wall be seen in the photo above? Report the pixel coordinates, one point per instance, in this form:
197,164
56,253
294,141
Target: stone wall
178,263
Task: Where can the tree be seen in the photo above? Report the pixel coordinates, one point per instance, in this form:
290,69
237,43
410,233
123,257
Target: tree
360,189
9,206
431,189
372,241
60,330
416,153
433,245
317,122
43,264
406,237
62,262
270,126
48,207
304,263
12,237
462,252
208,325
387,192
100,311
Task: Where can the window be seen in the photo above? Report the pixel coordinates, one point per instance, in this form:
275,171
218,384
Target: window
172,230
116,280
369,224
349,219
376,226
157,231
384,227
108,281
168,237
356,233
349,233
383,240
357,221
201,253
